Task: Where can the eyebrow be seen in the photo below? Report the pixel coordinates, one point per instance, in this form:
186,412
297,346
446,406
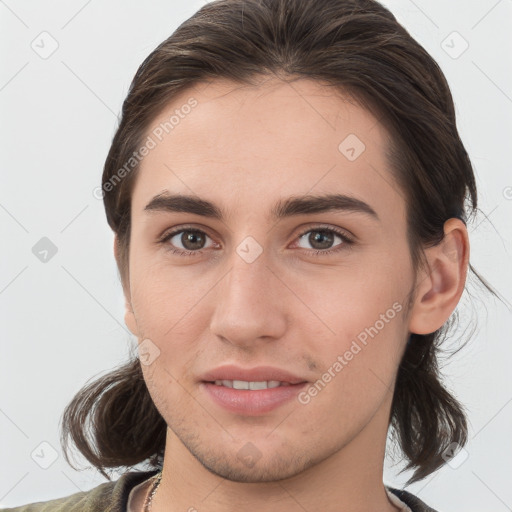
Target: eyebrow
289,207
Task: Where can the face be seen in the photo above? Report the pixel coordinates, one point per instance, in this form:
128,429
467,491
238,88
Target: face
319,293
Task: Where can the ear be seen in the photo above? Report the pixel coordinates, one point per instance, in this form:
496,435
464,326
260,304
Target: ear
438,290
129,316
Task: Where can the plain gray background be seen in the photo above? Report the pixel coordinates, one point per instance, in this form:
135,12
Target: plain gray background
62,320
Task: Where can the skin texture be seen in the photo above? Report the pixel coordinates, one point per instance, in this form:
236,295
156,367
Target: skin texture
244,148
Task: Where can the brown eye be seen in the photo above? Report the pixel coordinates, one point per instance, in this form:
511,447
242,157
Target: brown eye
192,240
320,239
186,241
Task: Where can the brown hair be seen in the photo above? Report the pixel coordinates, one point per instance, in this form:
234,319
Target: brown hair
359,48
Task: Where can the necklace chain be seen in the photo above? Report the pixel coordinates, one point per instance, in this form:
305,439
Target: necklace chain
151,495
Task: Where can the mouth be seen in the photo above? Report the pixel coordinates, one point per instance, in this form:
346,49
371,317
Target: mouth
256,378
252,385
250,398
250,391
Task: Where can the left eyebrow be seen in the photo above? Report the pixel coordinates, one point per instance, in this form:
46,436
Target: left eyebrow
289,207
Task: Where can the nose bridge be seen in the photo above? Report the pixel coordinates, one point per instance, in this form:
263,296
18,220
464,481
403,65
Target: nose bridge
247,305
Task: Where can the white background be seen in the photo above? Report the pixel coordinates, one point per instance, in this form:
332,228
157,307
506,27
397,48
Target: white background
62,321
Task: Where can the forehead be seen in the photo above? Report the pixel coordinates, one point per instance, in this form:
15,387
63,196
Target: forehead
243,147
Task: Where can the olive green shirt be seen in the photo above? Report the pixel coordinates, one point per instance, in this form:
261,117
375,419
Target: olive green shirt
113,497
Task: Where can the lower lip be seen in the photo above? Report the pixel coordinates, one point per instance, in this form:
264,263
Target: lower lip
251,402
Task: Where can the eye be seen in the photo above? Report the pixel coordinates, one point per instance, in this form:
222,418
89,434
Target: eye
191,240
322,238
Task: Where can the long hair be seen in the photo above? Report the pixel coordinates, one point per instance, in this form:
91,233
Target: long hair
356,47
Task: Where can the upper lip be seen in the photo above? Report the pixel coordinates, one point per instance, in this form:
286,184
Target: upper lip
257,374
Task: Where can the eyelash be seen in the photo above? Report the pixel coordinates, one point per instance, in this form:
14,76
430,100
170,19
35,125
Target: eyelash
347,240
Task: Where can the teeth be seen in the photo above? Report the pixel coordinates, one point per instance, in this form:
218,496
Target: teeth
243,384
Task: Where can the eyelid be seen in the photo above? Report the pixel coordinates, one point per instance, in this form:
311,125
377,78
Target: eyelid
185,227
335,229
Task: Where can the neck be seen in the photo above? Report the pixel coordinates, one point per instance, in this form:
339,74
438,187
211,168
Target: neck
348,479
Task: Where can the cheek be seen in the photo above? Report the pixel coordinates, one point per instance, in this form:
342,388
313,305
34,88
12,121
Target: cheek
164,297
170,311
352,301
357,368
166,393
363,331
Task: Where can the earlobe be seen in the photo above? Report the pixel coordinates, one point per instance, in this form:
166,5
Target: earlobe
439,290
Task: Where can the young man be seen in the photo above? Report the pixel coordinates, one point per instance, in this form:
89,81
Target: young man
290,247
260,254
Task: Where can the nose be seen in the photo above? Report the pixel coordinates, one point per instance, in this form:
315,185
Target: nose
250,304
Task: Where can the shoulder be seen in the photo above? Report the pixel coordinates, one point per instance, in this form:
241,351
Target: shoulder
106,497
412,501
80,501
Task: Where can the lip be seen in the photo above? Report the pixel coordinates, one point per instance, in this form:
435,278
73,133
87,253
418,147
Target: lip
250,402
257,374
